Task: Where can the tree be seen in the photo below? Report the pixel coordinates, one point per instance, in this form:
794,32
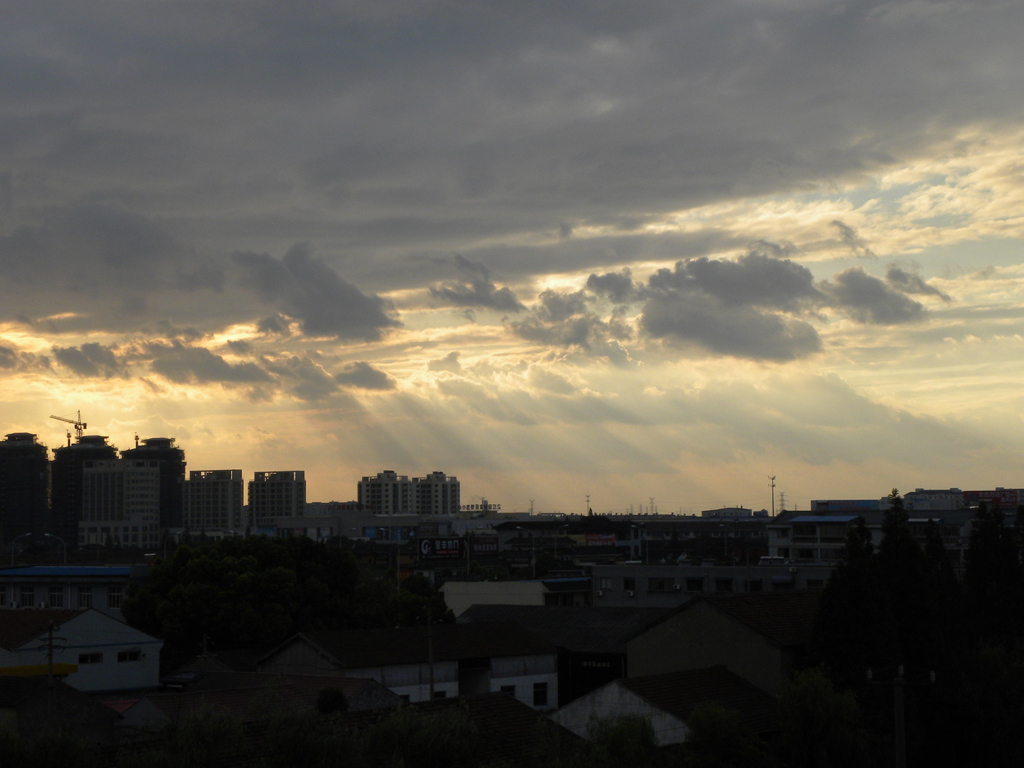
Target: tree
718,738
240,593
821,727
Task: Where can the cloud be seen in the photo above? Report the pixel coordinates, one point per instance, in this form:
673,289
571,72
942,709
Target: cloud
364,376
307,289
867,299
857,245
197,365
752,280
908,283
728,329
616,286
306,379
90,359
449,362
476,289
563,319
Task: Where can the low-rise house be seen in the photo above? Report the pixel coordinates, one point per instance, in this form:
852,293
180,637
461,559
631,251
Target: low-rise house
591,641
761,637
31,708
420,663
669,699
105,653
460,595
102,587
247,697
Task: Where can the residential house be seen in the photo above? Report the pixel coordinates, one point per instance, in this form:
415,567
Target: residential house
96,652
669,699
420,663
762,637
591,642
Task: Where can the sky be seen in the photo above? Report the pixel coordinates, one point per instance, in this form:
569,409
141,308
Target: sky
564,251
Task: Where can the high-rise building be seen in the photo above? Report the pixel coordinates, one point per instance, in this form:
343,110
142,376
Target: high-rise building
163,454
24,486
213,500
120,503
276,494
387,494
392,494
66,482
436,494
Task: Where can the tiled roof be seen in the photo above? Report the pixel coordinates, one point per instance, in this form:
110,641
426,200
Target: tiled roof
21,625
786,618
14,690
238,691
679,693
580,629
508,728
357,648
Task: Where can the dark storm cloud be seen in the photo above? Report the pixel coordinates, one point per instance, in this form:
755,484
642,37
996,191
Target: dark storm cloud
857,245
564,320
197,365
868,300
12,359
303,377
364,376
89,248
728,329
307,289
753,280
908,283
475,289
91,360
617,286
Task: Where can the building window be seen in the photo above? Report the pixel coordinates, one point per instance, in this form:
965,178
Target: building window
129,655
440,694
3,595
605,582
723,585
540,694
509,689
56,597
629,583
805,554
660,584
695,584
755,585
90,658
85,597
27,597
114,597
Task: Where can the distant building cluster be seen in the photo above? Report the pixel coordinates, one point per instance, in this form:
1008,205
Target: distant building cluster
392,494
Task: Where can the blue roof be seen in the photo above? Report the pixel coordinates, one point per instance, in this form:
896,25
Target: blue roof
823,518
68,570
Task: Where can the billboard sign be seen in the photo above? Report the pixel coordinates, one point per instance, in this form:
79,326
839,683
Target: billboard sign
444,548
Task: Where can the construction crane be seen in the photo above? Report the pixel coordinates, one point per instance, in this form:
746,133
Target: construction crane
77,422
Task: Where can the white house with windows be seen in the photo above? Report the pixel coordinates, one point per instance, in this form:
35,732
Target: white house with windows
95,651
102,587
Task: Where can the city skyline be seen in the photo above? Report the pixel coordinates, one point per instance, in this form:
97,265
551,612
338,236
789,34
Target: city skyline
610,250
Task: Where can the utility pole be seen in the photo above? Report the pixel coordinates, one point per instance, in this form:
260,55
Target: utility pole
771,479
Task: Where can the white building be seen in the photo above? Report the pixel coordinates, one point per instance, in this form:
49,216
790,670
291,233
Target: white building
391,494
276,494
214,500
120,503
454,660
96,651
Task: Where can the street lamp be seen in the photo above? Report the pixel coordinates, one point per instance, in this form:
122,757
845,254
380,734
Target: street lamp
58,538
15,541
